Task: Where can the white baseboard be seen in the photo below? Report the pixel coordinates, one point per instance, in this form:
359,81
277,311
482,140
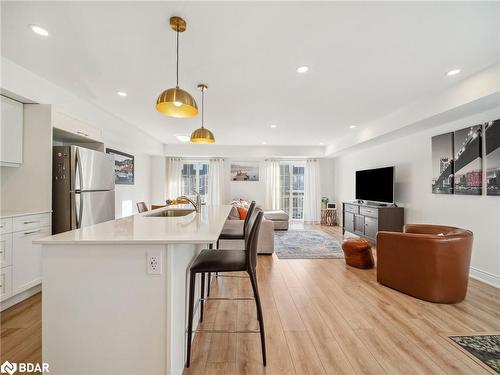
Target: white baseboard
20,297
485,277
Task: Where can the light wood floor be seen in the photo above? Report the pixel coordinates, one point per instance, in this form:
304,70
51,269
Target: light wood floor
21,332
321,317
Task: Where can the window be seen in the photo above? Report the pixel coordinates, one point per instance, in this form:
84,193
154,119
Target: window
292,189
195,178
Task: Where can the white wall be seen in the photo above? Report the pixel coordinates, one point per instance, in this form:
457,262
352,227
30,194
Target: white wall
239,189
117,133
411,156
257,190
158,179
250,190
27,188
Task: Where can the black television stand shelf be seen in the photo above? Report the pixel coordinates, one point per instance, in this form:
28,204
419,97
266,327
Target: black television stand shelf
365,219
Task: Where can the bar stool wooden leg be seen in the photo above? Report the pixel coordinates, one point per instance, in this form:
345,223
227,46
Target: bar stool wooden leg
253,280
192,279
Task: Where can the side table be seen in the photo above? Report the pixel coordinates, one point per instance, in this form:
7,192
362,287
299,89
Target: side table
329,216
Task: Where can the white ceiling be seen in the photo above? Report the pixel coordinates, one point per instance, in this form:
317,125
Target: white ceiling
366,60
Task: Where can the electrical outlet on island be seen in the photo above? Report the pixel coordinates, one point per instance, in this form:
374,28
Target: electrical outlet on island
154,262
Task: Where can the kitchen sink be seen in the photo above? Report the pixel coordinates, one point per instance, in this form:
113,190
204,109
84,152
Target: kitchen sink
171,213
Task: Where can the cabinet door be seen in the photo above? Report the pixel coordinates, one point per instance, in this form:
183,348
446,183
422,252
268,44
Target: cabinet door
27,259
349,222
5,283
6,250
359,225
371,227
11,151
75,126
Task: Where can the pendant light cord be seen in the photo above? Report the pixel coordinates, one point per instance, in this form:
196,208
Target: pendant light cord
177,60
202,106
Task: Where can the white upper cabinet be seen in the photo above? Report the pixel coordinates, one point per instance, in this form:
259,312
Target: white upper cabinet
75,126
11,152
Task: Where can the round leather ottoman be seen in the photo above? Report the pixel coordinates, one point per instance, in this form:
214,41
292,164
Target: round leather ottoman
358,253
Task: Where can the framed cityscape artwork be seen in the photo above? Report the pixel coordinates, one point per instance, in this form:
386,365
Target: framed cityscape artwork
468,162
124,167
442,164
492,139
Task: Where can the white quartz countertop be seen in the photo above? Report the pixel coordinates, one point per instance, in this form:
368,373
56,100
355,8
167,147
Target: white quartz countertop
8,214
194,228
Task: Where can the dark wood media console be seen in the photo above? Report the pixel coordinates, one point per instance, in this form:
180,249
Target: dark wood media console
366,220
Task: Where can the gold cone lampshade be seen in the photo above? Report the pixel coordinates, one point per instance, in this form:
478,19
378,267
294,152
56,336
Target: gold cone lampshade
177,102
202,135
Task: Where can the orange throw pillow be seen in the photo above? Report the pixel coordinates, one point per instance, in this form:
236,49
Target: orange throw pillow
243,213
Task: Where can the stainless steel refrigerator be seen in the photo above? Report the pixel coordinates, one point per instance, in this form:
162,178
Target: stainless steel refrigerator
83,188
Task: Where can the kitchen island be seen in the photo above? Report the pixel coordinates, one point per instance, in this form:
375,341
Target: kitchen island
115,293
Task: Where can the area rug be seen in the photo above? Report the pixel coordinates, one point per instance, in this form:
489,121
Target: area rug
306,244
485,348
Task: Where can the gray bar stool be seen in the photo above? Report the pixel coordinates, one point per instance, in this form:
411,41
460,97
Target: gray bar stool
228,261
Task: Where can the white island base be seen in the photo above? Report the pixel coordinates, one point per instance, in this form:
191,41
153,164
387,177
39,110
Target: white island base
104,314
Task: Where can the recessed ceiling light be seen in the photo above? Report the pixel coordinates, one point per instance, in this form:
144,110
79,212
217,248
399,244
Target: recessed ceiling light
264,143
453,72
183,138
352,127
121,93
302,69
273,126
39,30
321,144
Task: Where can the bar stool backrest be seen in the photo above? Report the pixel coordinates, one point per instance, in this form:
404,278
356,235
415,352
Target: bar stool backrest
251,239
142,207
250,211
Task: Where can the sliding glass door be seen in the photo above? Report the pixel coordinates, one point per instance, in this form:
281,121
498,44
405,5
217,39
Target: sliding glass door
292,189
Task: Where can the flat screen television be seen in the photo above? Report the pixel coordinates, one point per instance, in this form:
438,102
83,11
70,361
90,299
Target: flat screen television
375,185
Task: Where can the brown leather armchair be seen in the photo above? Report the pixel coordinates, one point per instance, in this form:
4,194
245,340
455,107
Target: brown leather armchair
430,262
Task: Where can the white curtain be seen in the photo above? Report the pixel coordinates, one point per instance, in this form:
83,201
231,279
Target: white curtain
312,194
174,178
216,181
272,184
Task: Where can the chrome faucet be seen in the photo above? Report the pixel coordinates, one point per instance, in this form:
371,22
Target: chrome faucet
196,204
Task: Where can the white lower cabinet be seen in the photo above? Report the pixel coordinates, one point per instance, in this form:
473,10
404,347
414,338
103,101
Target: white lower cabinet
5,282
20,259
6,250
27,259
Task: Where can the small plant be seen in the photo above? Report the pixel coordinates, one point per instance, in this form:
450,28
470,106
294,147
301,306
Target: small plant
324,202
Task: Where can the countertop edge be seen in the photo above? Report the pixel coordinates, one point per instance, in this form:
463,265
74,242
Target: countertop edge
207,238
127,242
8,216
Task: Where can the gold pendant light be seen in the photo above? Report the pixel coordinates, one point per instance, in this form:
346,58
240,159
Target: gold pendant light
202,135
176,102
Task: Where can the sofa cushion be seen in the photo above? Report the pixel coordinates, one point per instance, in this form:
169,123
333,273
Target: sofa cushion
265,243
233,229
234,214
242,212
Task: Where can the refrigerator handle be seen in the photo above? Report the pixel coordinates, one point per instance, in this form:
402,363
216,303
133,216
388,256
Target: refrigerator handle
79,170
80,212
80,177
